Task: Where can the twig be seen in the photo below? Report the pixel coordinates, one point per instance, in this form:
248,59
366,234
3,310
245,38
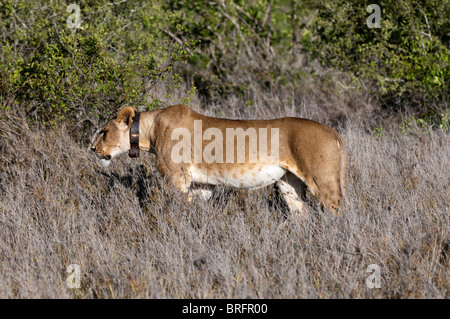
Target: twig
238,8
226,15
428,26
268,14
174,37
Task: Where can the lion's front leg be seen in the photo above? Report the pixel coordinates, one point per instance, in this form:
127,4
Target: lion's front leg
182,182
203,194
178,176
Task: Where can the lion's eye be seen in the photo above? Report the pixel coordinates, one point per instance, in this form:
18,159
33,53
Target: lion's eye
104,135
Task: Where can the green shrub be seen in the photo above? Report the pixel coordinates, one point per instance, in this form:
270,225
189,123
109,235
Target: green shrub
426,122
55,73
409,55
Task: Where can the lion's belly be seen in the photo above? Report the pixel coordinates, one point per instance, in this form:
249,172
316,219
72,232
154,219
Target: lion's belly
239,177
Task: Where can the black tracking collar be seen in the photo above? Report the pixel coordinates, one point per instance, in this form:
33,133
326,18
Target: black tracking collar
134,136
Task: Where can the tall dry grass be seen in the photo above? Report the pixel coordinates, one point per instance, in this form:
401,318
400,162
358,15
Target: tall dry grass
133,236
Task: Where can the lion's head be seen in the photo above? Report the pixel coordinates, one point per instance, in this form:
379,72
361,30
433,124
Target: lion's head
114,138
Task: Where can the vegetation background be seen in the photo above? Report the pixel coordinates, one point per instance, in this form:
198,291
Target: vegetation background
386,90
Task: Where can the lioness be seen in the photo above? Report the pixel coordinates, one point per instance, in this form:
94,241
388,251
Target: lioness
191,147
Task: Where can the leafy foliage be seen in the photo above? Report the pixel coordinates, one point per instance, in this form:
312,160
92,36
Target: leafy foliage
122,49
57,73
408,55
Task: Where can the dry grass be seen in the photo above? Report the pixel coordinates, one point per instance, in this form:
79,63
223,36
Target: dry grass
135,237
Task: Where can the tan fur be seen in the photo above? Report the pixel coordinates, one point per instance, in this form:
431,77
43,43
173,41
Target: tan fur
310,154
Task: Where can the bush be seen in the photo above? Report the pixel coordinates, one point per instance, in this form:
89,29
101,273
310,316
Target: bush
56,73
408,56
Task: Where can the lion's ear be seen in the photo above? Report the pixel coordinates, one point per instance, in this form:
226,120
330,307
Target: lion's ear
125,115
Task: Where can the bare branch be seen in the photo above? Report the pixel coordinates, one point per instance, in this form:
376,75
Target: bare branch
238,27
174,37
268,14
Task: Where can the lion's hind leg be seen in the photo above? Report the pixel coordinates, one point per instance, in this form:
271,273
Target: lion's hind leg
331,196
292,189
327,189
